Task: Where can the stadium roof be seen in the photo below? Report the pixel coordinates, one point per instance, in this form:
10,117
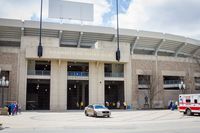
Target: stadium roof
141,42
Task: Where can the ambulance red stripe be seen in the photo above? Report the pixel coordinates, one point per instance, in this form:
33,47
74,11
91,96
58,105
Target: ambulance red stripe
185,107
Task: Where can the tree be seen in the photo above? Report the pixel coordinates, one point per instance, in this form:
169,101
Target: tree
150,81
196,69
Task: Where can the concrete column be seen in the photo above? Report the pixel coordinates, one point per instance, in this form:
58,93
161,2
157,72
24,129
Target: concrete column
128,83
23,80
92,83
58,89
62,90
100,83
54,85
96,82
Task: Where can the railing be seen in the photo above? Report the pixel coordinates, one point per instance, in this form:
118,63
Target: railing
38,72
197,80
172,81
197,84
143,86
114,74
77,73
143,82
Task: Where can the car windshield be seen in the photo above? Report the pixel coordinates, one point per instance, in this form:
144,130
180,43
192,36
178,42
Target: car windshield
100,107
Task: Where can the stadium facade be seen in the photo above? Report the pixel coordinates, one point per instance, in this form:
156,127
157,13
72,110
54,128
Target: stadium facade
78,66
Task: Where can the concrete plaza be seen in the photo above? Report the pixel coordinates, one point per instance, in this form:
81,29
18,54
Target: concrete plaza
154,121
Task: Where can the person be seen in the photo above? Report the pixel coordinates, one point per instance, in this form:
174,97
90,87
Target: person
173,106
12,108
9,109
77,104
81,105
118,104
146,99
176,105
125,105
170,104
113,104
19,108
107,104
16,108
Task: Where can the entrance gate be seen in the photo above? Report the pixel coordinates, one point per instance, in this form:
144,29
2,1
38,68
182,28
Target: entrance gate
77,94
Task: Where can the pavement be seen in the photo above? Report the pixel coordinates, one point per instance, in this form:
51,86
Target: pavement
151,121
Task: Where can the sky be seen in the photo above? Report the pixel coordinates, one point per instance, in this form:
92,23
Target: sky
179,17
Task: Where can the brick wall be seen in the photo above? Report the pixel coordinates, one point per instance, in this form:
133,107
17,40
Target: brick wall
173,68
9,62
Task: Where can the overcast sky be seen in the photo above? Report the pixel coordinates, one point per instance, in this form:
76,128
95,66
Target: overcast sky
181,17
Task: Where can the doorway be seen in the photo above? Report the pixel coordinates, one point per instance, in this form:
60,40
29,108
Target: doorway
77,94
114,94
38,94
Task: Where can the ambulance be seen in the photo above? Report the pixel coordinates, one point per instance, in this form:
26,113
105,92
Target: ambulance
189,104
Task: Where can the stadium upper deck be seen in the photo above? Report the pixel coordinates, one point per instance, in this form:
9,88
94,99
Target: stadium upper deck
141,42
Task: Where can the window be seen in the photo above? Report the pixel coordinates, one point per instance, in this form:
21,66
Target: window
99,107
36,67
197,87
90,106
114,70
143,79
78,69
197,83
195,101
197,79
5,74
187,100
172,82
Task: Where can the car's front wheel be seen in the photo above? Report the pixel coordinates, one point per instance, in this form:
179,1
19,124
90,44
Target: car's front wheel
86,114
188,112
95,114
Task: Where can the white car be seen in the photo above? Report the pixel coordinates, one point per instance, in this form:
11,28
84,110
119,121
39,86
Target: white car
97,110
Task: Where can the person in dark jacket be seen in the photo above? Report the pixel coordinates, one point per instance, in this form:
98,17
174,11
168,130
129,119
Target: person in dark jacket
9,109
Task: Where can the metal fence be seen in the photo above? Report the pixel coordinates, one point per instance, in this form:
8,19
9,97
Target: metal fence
38,72
114,74
144,82
172,81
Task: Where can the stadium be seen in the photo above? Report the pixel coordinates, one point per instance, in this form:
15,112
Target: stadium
78,66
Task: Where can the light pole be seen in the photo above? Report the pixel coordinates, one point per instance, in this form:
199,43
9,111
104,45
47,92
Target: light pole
118,51
3,84
40,48
181,86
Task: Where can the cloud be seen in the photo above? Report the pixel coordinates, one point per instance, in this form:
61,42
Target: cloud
101,7
30,9
180,17
123,6
19,9
169,16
